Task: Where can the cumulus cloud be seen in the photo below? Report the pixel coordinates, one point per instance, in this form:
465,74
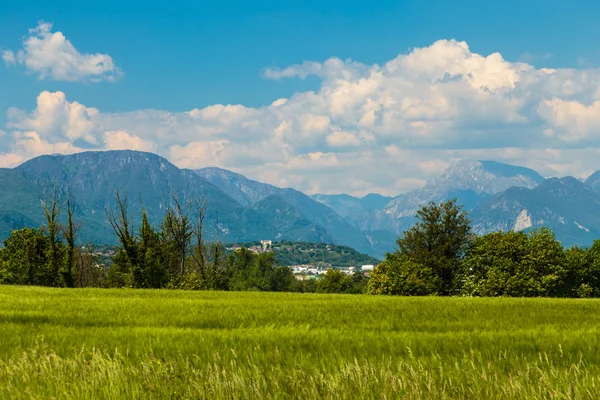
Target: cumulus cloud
121,140
51,55
384,128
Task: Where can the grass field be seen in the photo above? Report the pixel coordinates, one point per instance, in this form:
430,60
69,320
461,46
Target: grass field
93,344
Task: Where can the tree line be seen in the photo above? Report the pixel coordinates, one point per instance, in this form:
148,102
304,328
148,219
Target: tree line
439,255
174,254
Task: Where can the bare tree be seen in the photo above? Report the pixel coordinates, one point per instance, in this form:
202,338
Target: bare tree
217,248
52,208
70,234
118,218
179,226
200,246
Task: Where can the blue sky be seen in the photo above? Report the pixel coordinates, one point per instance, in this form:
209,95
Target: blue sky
175,57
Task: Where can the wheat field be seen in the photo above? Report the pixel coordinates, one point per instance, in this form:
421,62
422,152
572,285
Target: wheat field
108,344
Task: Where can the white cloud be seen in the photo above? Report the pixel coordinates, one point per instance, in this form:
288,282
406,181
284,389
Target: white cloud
57,119
52,56
574,120
9,57
120,140
383,128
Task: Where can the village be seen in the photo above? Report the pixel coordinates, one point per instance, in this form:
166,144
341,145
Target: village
310,270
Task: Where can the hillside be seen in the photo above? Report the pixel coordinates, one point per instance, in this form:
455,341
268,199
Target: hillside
318,254
19,202
319,215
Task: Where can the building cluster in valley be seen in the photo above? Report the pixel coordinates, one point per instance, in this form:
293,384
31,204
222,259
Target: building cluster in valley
313,272
306,271
265,246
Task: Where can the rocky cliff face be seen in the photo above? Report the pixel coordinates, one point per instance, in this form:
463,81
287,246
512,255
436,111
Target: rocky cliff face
566,205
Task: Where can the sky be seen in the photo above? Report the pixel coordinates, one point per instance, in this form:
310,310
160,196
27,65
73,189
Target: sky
323,96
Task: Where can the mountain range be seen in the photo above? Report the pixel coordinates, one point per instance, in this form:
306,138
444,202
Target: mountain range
497,196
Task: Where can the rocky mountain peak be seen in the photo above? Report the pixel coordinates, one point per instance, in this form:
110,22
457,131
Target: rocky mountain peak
487,177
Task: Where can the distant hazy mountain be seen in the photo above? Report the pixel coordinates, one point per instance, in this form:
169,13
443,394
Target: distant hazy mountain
353,209
566,205
290,223
248,192
240,188
470,182
594,181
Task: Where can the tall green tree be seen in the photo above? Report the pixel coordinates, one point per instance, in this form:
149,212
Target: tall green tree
542,271
438,242
24,258
67,270
583,271
335,281
150,272
516,264
123,270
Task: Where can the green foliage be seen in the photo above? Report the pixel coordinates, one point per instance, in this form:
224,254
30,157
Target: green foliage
517,264
586,269
438,256
492,264
398,275
437,243
257,272
24,258
335,281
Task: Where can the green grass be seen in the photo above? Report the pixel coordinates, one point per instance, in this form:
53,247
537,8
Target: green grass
57,343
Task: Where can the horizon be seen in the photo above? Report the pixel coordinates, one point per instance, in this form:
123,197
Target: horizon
334,97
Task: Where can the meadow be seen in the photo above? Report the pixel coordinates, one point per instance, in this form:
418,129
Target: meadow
101,343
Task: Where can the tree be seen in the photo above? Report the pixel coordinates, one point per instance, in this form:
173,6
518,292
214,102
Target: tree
199,254
516,264
398,275
491,262
261,272
179,227
123,271
52,209
335,281
542,271
438,242
118,218
150,273
23,258
87,272
582,267
70,235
